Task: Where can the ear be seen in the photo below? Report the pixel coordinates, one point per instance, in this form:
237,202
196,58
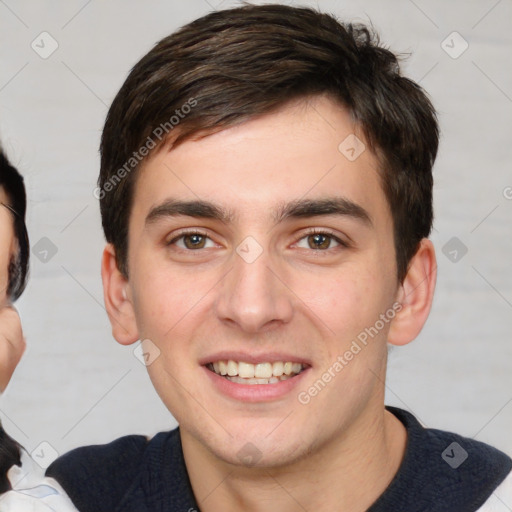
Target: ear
117,301
415,295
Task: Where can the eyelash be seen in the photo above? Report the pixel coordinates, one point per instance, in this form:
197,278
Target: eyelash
311,232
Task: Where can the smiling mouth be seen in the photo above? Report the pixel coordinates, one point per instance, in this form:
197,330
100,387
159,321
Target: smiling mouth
260,373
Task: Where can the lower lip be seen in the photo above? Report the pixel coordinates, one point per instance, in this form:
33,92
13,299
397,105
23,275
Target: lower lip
255,392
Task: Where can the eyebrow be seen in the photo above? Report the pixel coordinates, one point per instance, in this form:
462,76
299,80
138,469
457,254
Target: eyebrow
300,208
340,206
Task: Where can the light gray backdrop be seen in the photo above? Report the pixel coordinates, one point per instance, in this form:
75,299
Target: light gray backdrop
76,385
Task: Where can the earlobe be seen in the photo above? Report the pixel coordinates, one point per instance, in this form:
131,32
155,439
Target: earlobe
415,296
117,303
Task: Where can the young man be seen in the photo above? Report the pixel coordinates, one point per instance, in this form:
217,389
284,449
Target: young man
266,195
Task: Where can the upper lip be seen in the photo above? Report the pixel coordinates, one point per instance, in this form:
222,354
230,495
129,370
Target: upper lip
263,357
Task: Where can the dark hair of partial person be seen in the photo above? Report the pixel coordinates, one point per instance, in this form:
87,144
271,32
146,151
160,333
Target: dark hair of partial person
243,62
12,183
10,455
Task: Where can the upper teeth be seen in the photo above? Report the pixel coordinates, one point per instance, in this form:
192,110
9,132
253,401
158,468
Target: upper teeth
259,370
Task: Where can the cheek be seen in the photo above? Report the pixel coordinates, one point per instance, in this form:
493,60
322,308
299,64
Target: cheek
348,304
4,271
3,292
165,301
341,297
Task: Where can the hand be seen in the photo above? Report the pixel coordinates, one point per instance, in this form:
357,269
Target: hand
12,343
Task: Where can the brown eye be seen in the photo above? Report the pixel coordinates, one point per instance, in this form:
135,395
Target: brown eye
191,241
194,241
319,241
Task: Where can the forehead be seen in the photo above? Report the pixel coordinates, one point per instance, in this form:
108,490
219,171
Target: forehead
307,149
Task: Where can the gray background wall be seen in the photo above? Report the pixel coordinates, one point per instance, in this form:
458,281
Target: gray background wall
76,385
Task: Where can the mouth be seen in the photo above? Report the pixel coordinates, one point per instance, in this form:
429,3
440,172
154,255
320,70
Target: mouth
241,372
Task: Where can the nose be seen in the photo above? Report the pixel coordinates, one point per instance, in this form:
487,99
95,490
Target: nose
254,296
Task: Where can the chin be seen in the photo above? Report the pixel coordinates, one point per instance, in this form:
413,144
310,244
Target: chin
254,447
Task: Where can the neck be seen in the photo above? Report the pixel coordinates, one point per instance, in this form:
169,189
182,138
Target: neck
348,473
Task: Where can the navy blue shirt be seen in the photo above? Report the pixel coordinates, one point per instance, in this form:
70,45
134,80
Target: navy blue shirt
440,472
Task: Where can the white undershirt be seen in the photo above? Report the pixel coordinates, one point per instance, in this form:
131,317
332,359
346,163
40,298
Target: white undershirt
32,491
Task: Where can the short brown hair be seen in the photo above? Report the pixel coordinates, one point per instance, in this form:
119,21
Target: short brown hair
235,64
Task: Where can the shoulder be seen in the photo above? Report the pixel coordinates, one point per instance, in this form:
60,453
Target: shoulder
97,477
444,471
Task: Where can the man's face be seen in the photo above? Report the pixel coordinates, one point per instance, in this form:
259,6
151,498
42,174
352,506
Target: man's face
275,281
7,245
